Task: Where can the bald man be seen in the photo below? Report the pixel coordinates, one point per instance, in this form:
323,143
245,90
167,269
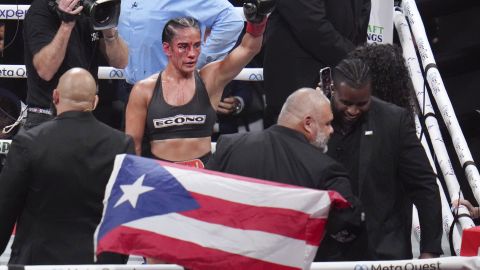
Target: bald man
76,91
54,179
293,152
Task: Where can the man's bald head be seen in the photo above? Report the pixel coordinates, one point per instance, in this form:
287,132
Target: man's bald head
308,111
76,90
301,103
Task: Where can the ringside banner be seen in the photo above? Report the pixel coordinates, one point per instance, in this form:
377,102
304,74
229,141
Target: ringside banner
380,27
13,12
5,146
13,71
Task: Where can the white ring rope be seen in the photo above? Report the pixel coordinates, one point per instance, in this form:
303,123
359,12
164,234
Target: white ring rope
110,73
447,217
431,123
441,97
425,105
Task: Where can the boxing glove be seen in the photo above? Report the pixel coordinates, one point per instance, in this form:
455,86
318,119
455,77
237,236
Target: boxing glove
256,12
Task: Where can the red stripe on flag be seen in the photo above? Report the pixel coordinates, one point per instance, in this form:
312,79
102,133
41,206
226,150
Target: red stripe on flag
337,200
127,240
231,177
286,222
335,197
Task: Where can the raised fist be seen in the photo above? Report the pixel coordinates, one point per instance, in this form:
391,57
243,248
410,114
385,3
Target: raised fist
256,10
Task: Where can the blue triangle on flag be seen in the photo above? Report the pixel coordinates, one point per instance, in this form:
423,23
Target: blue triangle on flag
167,196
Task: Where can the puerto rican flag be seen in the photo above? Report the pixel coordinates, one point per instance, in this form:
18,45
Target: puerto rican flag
208,220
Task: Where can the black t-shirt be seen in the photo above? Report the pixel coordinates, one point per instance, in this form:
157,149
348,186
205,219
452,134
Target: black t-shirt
40,27
343,147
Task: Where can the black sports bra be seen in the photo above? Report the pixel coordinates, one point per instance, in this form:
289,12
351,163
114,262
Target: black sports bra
192,120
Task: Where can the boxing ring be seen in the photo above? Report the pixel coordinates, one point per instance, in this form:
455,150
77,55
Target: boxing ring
407,21
447,263
111,73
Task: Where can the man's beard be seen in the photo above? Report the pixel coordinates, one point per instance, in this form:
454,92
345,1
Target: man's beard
321,142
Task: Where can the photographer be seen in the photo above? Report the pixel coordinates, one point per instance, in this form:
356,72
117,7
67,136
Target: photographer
59,35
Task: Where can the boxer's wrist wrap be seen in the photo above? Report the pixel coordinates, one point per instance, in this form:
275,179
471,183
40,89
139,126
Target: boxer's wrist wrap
257,29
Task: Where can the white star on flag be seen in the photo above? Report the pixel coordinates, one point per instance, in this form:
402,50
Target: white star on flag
132,192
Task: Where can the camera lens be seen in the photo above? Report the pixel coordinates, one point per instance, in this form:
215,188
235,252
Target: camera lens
88,6
104,12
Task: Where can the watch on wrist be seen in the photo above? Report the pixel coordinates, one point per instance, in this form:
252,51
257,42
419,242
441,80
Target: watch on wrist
239,105
112,38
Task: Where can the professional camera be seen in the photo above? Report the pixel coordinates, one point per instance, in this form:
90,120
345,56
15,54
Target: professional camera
102,13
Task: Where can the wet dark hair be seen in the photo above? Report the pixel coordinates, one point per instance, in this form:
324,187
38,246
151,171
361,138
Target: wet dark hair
352,71
172,25
390,77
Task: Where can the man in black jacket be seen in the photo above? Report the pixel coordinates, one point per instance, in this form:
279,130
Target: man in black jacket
54,180
303,36
388,168
293,152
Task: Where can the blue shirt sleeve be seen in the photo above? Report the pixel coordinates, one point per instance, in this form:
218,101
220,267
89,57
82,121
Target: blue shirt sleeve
141,24
223,36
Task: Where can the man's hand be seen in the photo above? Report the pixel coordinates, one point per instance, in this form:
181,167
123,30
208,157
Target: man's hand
49,59
474,211
70,6
230,105
68,10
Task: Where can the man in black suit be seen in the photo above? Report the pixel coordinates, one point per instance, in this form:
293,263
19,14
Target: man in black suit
388,168
54,180
303,36
293,152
